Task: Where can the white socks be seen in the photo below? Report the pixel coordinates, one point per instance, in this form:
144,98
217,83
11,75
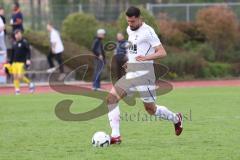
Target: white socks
166,114
114,119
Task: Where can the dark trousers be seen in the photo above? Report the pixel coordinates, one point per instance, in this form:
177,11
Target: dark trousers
58,58
98,68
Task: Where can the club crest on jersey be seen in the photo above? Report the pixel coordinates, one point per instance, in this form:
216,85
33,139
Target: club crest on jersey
19,45
133,49
136,37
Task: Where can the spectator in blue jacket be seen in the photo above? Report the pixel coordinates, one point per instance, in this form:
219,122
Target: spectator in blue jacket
17,18
98,51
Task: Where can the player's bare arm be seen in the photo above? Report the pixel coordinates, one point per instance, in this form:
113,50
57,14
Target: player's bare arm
159,53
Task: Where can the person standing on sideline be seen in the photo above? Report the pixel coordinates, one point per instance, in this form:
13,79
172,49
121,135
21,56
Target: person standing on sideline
98,51
120,55
20,59
2,33
56,50
2,16
17,18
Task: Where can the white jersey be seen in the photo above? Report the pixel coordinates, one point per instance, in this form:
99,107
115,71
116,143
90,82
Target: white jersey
140,76
142,42
2,26
55,38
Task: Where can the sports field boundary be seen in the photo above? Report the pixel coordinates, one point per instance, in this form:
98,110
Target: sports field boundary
42,88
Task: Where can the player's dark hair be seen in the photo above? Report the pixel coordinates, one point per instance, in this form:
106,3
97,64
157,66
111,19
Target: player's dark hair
16,4
133,11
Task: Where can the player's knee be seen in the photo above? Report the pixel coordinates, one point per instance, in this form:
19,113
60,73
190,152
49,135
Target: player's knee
112,99
20,77
151,109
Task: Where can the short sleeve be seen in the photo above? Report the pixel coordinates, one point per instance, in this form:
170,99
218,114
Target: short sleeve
19,16
153,38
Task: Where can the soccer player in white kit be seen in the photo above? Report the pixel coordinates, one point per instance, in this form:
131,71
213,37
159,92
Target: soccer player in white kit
145,47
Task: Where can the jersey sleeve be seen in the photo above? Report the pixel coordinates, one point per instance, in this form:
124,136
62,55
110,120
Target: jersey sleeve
153,38
19,18
12,55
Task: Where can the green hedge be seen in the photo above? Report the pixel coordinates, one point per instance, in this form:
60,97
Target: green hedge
80,28
216,70
182,64
190,55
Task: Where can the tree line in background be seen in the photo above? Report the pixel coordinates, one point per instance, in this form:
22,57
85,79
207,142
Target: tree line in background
207,48
37,12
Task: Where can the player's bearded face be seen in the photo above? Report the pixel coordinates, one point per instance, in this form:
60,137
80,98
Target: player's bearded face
134,23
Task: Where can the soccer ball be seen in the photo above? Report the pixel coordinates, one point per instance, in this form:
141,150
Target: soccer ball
101,139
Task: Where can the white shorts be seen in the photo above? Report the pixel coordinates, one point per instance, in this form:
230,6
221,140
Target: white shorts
140,83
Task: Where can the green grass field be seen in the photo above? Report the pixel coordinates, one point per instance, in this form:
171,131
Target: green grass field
29,129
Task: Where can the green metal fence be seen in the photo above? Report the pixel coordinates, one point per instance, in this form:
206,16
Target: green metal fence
37,15
187,11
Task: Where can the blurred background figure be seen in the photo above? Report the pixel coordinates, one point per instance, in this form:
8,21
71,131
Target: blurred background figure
98,51
2,31
56,50
3,49
2,16
20,60
120,55
17,18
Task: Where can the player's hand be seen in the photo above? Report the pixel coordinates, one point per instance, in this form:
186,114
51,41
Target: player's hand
28,62
141,58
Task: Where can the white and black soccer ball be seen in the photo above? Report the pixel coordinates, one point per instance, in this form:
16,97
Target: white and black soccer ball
101,139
